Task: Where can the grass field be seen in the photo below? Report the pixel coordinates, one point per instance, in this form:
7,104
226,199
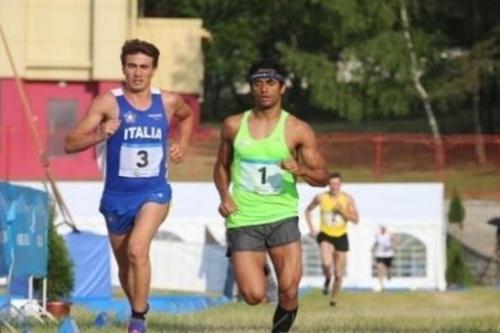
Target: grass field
473,310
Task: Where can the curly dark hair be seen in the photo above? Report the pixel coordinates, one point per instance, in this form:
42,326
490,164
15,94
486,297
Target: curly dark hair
134,46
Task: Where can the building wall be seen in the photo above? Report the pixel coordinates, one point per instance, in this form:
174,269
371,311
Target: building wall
14,12
111,26
58,39
80,40
181,59
19,153
70,51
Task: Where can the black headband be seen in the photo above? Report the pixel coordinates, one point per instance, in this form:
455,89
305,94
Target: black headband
267,74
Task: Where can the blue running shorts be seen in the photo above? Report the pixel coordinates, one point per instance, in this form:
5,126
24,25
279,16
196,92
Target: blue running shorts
120,209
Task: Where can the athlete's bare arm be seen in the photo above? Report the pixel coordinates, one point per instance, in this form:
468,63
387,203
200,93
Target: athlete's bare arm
222,168
179,109
313,204
103,111
312,168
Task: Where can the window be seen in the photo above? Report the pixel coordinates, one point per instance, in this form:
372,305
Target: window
409,258
62,116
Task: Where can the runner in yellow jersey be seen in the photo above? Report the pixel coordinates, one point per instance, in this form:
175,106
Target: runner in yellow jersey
337,208
259,156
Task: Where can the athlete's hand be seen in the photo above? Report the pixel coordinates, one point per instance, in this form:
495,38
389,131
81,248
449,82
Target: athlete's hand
227,207
343,211
109,127
292,166
176,153
314,233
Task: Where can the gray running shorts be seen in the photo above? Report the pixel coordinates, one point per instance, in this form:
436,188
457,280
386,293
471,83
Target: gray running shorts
261,237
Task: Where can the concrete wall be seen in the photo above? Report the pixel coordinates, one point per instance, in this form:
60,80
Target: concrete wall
80,40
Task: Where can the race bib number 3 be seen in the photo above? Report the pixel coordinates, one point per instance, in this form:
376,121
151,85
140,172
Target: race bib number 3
140,160
262,177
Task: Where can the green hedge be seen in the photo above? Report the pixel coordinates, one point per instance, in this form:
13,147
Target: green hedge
60,275
457,272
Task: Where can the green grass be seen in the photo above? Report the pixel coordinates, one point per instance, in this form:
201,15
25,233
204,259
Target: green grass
473,310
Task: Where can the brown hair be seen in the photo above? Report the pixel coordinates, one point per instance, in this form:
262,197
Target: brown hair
134,46
335,174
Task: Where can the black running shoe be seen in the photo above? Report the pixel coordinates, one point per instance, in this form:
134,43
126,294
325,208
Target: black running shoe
326,286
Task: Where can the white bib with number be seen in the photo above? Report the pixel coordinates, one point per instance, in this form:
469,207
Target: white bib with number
140,160
333,219
262,177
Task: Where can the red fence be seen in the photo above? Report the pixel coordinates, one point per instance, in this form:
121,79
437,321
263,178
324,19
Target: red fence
398,152
470,163
388,156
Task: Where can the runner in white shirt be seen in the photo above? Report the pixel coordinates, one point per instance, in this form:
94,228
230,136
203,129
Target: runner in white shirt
383,249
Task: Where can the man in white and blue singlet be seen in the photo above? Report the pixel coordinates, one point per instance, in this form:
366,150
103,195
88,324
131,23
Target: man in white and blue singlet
133,124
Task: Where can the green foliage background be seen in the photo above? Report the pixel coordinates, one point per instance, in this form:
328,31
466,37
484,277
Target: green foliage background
456,211
348,59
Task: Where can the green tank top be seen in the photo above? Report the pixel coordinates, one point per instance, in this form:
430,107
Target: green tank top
262,191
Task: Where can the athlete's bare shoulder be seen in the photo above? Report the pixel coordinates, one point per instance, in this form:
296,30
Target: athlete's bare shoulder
175,105
298,132
231,126
297,125
170,99
349,196
104,104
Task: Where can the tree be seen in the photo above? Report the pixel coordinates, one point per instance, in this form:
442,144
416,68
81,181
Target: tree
456,211
355,59
472,75
457,272
60,275
416,76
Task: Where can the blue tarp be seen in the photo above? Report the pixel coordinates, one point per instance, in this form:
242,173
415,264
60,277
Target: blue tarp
5,252
31,196
23,230
22,238
39,230
92,267
174,304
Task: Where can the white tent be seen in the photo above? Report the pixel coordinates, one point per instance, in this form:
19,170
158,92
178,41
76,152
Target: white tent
416,213
182,260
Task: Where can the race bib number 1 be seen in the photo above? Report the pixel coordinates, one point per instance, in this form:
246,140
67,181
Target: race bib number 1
140,160
262,177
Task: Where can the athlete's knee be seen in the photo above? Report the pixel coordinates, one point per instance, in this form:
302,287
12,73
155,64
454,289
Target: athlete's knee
338,275
289,289
137,253
253,297
288,295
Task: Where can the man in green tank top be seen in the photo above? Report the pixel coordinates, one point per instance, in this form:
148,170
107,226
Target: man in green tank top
259,156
